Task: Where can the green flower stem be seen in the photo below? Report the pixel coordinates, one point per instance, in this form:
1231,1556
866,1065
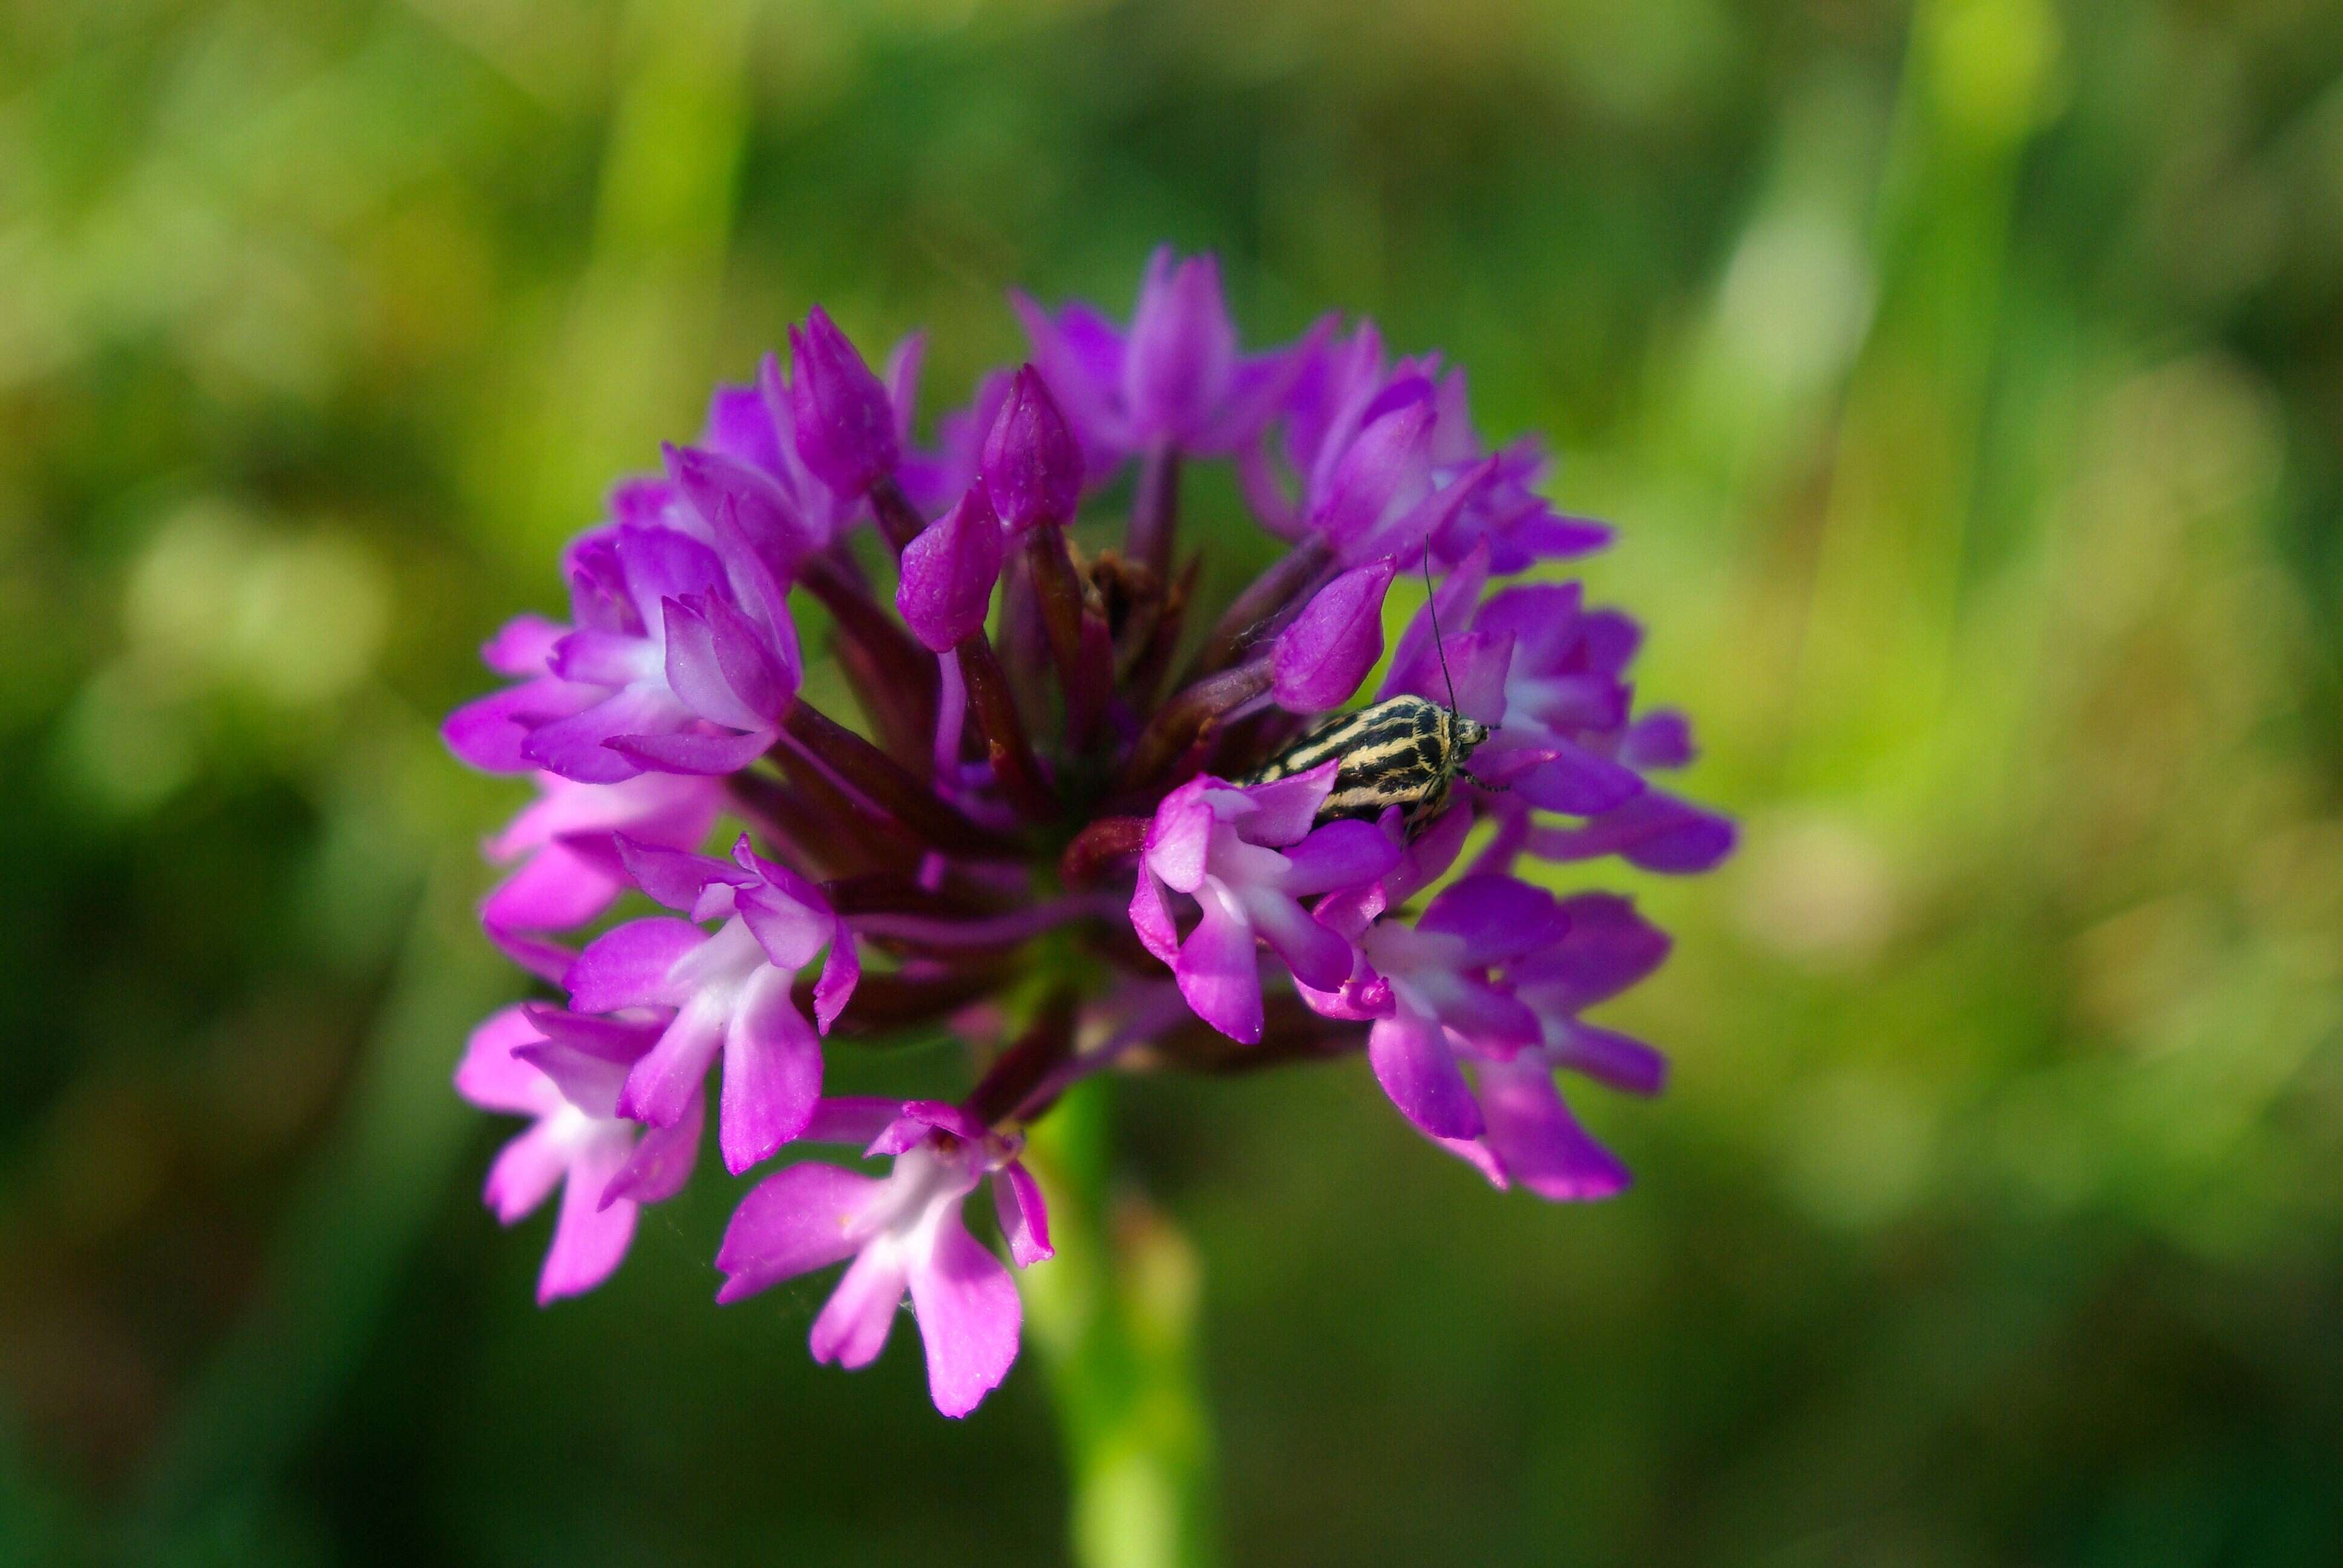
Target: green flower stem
1113,1317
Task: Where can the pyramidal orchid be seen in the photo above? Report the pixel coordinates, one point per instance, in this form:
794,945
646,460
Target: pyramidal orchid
1039,798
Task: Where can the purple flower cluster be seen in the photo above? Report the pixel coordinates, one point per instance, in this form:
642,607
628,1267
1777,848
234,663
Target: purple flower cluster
1036,828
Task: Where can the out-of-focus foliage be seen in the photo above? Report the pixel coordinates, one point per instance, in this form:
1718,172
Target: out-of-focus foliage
1967,383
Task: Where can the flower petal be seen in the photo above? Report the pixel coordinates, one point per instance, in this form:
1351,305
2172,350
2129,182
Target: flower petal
492,1078
1540,1144
1339,854
901,376
854,1118
592,657
662,1160
628,965
1078,353
1419,1073
740,427
760,671
1383,466
1608,948
969,1317
1498,919
1621,1061
1032,466
588,1080
695,669
588,1239
610,1039
492,732
661,1087
845,425
1024,1216
660,564
1655,831
1180,837
578,747
720,486
949,572
1217,971
790,932
773,1072
841,971
555,888
1151,917
1320,958
1477,662
524,1171
547,960
713,756
798,1219
1475,1152
1326,652
522,646
1181,351
675,878
1496,1023
920,1118
1662,738
1284,808
852,1328
648,502
1579,781
1543,619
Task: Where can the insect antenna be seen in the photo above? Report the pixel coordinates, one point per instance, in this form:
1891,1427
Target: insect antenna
1432,603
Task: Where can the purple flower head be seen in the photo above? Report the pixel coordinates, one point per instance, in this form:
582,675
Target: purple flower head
949,572
844,422
732,992
1246,855
1175,379
904,1233
565,1072
1066,806
1032,464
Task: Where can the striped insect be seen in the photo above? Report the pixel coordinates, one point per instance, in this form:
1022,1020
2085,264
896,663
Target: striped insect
1403,751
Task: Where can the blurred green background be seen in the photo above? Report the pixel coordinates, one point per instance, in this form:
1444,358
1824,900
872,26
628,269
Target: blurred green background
1967,380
